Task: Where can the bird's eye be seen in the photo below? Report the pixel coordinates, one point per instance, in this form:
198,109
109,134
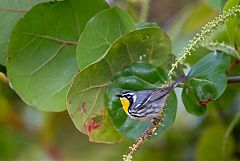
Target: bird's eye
129,96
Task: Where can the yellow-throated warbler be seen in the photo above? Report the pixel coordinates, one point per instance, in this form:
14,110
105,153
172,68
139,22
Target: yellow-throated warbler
146,104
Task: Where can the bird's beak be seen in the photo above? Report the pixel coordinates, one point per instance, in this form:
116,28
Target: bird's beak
119,95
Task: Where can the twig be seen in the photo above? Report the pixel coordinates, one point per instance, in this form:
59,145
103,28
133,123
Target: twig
235,79
145,136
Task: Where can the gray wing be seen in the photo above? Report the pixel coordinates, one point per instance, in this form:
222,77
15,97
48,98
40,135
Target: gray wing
150,105
148,96
161,92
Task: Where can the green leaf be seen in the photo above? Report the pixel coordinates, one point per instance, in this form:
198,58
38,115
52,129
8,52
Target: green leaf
224,48
86,103
42,62
191,103
207,81
86,95
10,12
138,76
233,25
100,33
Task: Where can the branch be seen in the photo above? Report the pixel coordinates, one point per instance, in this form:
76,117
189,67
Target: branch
235,79
145,136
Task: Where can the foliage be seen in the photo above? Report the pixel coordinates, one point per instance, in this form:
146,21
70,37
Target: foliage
134,79
60,56
202,85
43,37
92,90
9,18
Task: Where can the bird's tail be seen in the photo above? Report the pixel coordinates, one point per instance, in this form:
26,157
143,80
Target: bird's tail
178,81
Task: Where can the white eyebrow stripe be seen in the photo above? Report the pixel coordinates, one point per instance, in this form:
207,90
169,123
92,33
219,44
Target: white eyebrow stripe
125,94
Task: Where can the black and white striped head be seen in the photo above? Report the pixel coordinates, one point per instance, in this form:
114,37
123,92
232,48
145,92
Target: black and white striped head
127,98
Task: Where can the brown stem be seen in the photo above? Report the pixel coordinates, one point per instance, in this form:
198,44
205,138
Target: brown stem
145,136
237,62
235,79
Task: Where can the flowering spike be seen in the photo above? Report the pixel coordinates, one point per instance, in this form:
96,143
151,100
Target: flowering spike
205,30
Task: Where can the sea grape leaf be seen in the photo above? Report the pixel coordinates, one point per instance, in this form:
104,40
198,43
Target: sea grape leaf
10,12
227,49
42,59
207,81
138,76
85,98
100,32
191,103
233,25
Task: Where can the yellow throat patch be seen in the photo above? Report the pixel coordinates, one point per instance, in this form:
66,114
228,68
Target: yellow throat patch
125,104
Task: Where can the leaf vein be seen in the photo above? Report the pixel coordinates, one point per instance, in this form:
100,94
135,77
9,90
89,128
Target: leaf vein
52,38
92,87
94,103
129,52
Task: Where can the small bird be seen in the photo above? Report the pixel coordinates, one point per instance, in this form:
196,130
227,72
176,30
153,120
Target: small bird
146,104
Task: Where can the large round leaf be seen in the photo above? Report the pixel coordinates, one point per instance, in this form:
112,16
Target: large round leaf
100,33
42,48
207,80
86,95
191,103
138,76
10,12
